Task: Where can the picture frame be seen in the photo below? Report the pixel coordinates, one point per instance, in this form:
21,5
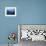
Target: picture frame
10,11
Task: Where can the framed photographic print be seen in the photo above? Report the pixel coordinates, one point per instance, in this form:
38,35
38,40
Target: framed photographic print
10,11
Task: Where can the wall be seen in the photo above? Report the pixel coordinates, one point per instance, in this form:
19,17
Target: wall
28,12
7,24
32,11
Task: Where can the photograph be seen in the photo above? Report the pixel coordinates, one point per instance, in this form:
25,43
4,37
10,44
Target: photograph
10,11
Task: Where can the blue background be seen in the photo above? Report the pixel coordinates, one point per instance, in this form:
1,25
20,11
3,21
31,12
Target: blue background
28,12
